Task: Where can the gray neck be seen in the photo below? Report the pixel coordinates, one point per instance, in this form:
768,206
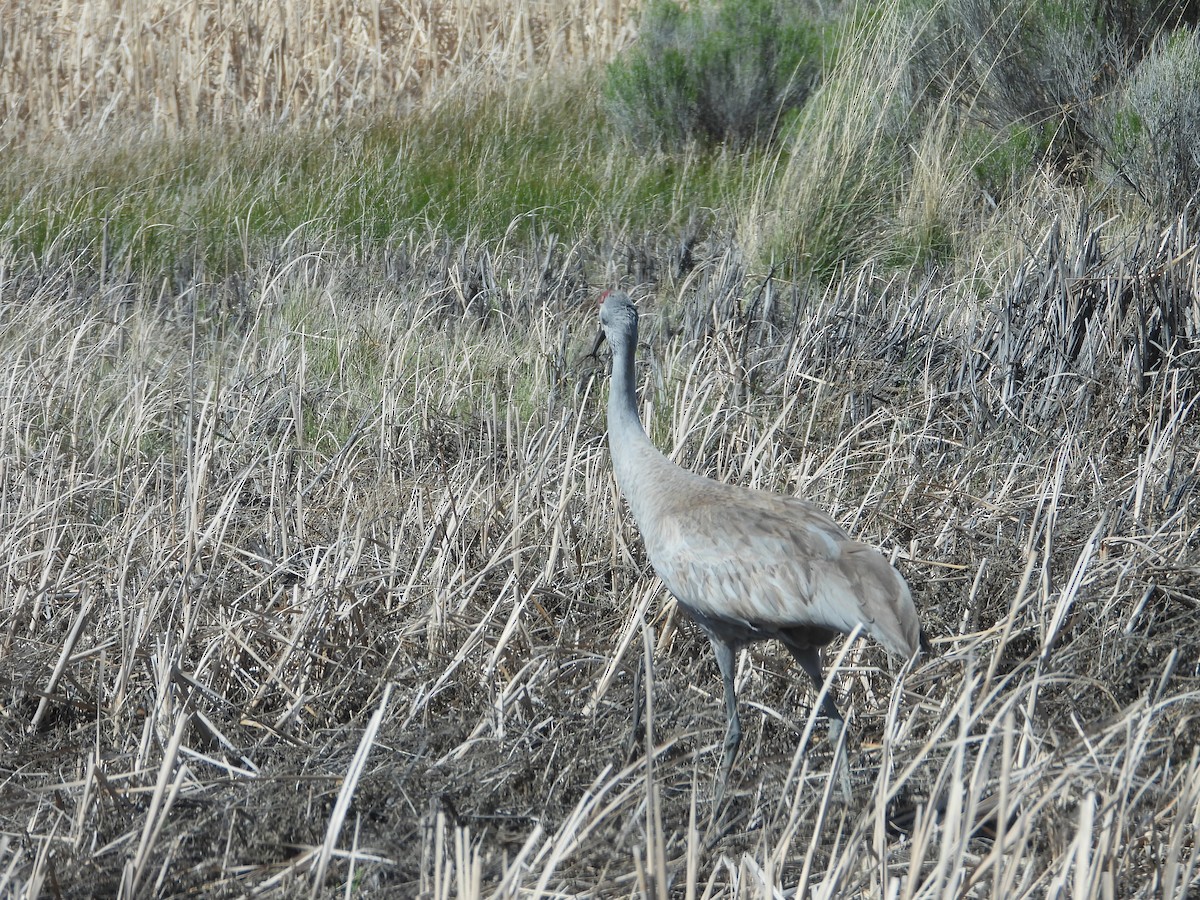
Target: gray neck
633,455
624,424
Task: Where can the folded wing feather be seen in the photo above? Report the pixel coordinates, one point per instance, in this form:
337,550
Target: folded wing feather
740,555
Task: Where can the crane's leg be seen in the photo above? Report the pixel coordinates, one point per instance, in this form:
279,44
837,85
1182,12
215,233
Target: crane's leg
639,703
809,659
726,657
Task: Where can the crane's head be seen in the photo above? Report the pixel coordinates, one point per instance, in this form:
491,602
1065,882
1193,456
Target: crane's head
618,319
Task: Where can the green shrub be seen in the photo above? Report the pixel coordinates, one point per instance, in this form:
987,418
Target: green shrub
1001,157
718,72
1155,124
1019,62
1048,65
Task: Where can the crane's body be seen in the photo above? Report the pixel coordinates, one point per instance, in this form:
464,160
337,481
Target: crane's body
747,565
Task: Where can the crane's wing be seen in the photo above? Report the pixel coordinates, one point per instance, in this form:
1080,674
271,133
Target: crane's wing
773,563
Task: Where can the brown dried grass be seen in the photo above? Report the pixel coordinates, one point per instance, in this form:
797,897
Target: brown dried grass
71,67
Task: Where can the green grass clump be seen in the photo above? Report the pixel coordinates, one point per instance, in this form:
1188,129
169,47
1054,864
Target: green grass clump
823,207
213,203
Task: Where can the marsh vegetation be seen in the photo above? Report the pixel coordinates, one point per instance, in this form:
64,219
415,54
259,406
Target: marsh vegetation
313,574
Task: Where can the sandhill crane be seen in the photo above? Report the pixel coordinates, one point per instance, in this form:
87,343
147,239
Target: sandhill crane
747,565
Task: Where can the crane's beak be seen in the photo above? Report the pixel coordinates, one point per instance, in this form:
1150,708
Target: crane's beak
599,341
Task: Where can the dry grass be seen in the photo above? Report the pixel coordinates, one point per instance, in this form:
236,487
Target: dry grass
71,67
336,590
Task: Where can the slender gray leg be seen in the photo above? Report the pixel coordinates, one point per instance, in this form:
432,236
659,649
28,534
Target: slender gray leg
639,704
733,735
809,659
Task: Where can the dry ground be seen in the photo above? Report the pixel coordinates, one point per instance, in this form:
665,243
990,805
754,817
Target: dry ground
327,572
